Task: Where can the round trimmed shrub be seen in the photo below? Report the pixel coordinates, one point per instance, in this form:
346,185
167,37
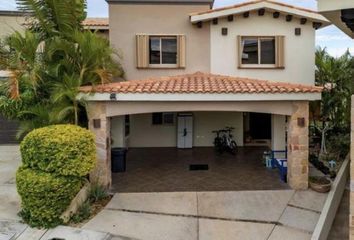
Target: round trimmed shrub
45,196
66,150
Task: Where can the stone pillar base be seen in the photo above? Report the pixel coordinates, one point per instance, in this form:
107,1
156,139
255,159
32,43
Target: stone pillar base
298,146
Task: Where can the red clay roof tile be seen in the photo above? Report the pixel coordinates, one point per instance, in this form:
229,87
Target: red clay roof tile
199,82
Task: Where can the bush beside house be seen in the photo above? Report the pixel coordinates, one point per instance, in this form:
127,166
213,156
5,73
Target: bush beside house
56,160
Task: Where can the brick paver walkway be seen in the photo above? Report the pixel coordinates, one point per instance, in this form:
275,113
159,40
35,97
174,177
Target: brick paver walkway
167,170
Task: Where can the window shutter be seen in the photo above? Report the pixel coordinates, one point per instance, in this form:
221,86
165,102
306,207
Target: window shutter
181,51
280,58
142,51
239,51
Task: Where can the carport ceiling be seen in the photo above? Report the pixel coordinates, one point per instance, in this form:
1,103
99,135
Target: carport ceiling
348,18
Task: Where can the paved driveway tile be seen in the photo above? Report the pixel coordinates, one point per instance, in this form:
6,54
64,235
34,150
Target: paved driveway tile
280,232
69,233
184,203
299,219
227,230
144,226
309,200
246,205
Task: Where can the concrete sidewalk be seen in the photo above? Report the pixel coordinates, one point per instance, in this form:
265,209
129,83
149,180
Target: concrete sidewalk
211,215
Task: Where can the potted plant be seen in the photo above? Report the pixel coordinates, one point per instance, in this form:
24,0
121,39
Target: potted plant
320,184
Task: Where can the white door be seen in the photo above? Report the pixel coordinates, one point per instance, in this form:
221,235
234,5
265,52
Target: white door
185,131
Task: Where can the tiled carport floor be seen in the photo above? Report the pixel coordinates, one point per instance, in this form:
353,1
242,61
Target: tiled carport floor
167,170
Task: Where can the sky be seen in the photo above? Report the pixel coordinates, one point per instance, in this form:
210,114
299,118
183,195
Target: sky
330,37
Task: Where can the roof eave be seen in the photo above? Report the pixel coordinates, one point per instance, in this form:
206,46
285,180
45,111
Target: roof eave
202,97
207,16
171,2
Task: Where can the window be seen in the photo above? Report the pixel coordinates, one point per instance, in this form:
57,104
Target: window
261,52
163,50
155,51
163,118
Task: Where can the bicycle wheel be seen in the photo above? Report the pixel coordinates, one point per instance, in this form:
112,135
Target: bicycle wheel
233,147
218,145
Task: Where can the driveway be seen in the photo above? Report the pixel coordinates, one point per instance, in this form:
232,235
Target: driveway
175,215
10,160
211,215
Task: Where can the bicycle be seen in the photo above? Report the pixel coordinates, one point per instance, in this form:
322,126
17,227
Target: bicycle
225,142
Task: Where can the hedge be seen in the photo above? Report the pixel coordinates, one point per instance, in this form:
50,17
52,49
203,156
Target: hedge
65,150
45,196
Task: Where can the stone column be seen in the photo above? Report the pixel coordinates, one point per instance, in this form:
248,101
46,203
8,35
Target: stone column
298,146
99,124
351,213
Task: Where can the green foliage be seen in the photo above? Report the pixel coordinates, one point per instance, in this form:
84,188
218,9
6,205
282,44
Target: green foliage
45,196
336,75
339,145
49,62
82,214
66,150
97,192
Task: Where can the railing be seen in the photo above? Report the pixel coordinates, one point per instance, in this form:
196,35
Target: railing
331,205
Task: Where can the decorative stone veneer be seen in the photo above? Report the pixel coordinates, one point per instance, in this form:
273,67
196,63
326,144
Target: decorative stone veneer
351,212
102,172
298,146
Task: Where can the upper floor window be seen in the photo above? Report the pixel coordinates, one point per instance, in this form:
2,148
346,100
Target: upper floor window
261,52
161,51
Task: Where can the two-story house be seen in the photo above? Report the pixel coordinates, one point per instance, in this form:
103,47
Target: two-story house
191,69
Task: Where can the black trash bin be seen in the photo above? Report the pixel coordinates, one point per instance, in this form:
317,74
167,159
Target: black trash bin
118,159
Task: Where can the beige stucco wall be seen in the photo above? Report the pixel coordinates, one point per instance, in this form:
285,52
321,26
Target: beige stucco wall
278,132
329,5
144,134
299,50
9,24
127,20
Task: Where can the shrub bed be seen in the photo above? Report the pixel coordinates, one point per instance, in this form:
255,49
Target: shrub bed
55,161
45,196
66,150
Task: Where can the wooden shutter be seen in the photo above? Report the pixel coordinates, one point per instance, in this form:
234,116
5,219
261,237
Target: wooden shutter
239,51
181,51
142,51
280,50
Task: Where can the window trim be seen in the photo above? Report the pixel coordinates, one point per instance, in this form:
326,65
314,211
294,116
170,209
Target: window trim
259,65
164,65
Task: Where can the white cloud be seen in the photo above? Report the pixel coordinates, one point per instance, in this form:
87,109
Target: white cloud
328,37
337,52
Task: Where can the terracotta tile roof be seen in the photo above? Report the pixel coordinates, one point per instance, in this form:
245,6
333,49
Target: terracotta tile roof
93,22
200,83
253,2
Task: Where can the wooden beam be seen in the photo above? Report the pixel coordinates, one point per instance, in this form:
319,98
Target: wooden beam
276,14
215,21
199,24
289,18
316,25
246,14
261,12
303,21
230,18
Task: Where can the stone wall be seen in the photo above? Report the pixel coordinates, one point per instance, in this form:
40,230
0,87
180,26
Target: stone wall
298,146
99,124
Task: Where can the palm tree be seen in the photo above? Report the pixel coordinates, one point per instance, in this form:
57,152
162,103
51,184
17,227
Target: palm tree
50,61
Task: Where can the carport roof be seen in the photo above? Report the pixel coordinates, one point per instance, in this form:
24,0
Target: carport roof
201,83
